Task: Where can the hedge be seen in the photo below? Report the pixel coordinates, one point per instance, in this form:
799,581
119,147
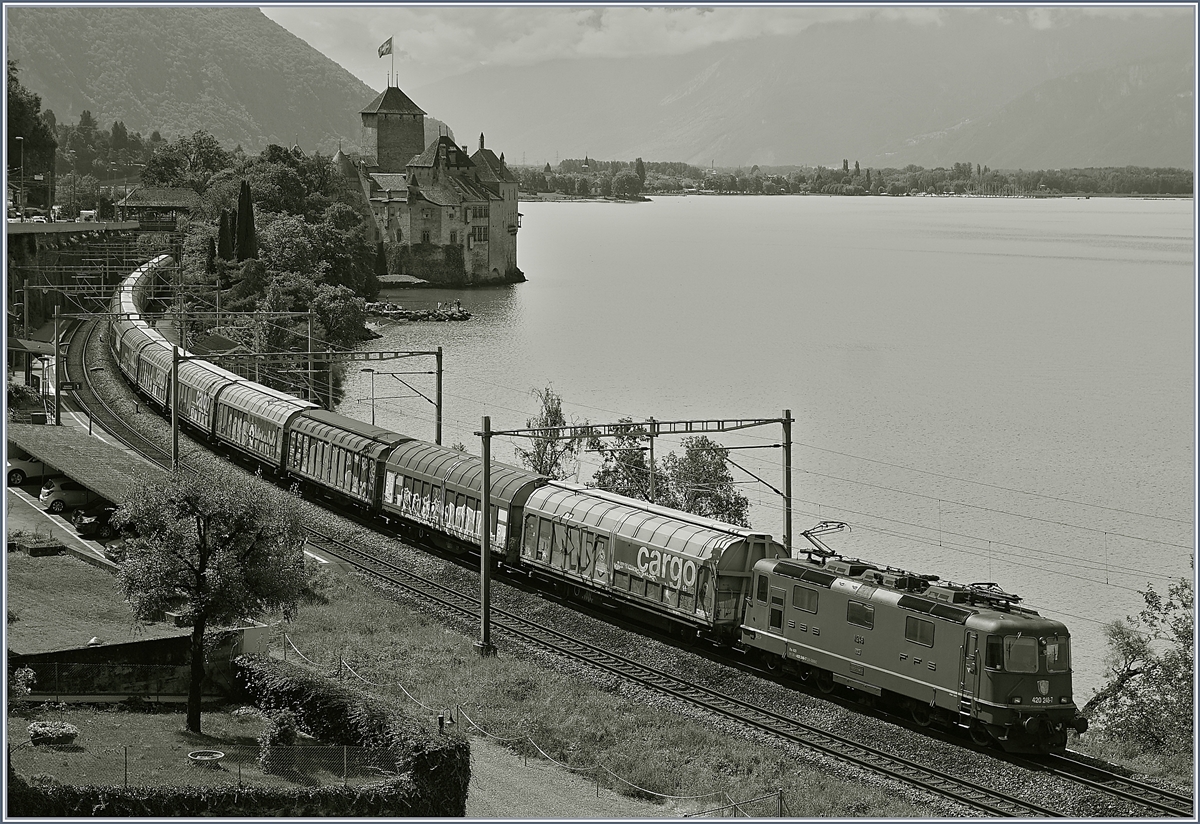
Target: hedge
433,769
439,763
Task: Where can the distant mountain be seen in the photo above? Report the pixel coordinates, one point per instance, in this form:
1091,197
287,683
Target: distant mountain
1003,87
1138,114
177,69
990,86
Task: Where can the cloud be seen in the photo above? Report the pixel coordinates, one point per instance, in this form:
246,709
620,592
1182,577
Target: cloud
432,43
436,42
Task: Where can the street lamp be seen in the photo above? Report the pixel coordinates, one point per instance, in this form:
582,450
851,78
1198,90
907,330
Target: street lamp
372,371
21,143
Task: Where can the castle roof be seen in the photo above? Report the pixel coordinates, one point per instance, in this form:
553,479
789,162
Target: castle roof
390,182
428,158
453,190
440,194
491,170
392,101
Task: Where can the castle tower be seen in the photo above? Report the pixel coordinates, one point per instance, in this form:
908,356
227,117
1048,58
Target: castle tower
393,130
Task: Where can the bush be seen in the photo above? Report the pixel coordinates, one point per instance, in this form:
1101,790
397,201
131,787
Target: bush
437,765
52,732
21,396
281,733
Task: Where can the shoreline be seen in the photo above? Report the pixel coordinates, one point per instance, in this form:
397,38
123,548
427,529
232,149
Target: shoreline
555,197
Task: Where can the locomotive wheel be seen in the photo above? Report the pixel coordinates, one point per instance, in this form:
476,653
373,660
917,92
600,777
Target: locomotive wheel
771,662
922,716
980,735
16,477
806,673
825,681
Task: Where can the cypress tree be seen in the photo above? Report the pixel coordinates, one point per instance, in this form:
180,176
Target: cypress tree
247,241
224,237
210,256
380,260
233,234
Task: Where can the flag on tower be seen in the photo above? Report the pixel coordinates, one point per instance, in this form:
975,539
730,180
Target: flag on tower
386,48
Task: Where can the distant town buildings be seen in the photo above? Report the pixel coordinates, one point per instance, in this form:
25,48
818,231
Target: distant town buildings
453,216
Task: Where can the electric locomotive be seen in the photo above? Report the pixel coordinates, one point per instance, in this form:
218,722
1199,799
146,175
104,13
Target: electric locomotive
962,655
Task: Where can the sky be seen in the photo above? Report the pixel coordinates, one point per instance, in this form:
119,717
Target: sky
434,42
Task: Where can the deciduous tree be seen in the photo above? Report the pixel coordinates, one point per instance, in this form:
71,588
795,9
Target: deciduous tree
625,468
1145,707
550,454
626,184
700,482
24,120
215,547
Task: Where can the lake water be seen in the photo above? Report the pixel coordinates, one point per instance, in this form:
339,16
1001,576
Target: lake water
985,389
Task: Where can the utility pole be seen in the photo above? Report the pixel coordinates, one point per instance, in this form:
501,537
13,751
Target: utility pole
484,645
175,408
438,433
21,197
25,330
372,371
57,371
787,481
312,392
653,431
329,376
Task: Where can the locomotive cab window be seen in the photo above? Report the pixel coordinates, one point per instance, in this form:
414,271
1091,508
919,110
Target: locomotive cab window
861,614
1020,654
918,631
1056,652
994,657
804,599
761,595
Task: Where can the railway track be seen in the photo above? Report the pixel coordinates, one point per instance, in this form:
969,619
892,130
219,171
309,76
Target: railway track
1073,767
974,796
79,371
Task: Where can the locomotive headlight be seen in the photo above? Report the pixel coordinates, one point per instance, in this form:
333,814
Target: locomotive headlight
1066,699
1016,699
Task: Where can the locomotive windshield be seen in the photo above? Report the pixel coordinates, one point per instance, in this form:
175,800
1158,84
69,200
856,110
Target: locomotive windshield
1057,655
1021,654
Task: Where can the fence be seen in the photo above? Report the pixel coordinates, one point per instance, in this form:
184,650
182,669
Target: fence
765,806
185,765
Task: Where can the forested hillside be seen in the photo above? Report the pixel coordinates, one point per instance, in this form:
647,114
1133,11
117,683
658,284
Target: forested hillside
229,71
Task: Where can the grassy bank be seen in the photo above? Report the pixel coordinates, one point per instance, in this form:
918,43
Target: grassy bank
394,649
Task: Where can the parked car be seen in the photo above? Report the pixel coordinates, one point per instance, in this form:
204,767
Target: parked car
37,219
21,466
115,550
94,519
61,494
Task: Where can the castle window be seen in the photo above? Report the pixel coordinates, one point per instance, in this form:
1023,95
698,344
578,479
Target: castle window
424,237
479,233
454,238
